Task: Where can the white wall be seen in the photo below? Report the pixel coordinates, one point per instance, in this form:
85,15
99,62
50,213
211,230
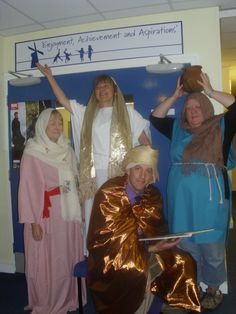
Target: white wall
201,34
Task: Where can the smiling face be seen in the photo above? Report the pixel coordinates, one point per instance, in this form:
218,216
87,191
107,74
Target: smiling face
55,126
104,91
139,177
193,113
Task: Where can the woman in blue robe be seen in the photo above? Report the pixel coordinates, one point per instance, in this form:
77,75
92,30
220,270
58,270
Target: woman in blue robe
198,192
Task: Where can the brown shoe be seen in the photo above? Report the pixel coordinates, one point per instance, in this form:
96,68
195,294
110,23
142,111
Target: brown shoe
212,299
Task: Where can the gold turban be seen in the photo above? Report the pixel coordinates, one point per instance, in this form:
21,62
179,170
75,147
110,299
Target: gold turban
142,155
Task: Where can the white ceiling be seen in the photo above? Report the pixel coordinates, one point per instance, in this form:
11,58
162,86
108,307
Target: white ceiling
23,16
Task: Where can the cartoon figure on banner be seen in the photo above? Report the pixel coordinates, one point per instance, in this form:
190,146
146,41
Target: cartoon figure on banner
34,55
90,52
57,56
81,54
67,55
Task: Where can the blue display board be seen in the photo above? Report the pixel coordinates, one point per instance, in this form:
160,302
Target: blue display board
146,90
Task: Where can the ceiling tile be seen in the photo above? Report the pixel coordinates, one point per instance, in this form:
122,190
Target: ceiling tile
9,17
192,4
136,11
109,5
45,10
21,30
74,21
228,4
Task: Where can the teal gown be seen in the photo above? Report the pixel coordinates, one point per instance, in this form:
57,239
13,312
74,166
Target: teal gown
196,200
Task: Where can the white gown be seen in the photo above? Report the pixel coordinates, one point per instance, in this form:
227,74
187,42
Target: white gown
101,142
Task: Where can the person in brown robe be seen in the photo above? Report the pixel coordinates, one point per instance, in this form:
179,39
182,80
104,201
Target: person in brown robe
125,273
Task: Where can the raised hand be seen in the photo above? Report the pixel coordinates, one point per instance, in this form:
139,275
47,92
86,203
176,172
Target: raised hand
44,69
58,92
205,83
179,90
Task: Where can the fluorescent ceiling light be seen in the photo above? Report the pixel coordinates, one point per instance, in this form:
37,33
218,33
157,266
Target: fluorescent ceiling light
164,66
23,79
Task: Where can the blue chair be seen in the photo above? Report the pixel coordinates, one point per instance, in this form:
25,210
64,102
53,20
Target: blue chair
156,306
80,271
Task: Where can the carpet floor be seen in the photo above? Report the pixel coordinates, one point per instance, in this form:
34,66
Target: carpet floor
13,289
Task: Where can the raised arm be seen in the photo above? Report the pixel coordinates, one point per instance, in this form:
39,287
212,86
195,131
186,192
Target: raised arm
58,92
143,139
162,109
223,98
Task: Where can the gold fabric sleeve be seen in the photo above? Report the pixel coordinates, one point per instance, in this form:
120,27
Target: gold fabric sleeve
177,282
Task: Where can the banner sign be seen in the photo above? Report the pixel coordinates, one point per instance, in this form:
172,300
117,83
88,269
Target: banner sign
101,46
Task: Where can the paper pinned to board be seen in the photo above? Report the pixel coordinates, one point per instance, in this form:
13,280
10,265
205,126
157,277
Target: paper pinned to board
176,235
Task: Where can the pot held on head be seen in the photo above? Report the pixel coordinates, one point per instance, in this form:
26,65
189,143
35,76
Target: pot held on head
190,77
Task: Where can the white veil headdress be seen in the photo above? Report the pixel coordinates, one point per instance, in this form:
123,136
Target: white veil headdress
61,156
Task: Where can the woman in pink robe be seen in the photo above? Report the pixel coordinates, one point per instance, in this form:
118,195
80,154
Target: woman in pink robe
50,210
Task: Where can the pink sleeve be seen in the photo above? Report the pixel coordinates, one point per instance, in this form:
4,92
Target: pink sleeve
31,190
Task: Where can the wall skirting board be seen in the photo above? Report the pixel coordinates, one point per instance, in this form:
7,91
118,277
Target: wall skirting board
17,266
7,268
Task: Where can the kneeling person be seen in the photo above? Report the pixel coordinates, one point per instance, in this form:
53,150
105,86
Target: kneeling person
124,273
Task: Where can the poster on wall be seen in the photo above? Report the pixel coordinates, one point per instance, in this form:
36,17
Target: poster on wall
23,118
139,41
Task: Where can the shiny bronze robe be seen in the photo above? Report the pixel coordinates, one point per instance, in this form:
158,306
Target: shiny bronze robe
118,263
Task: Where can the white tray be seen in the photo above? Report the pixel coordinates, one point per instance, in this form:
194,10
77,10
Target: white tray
176,235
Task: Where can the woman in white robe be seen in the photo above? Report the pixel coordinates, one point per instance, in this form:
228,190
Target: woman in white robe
49,208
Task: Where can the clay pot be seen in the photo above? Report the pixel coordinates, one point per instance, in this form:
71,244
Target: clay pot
189,79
